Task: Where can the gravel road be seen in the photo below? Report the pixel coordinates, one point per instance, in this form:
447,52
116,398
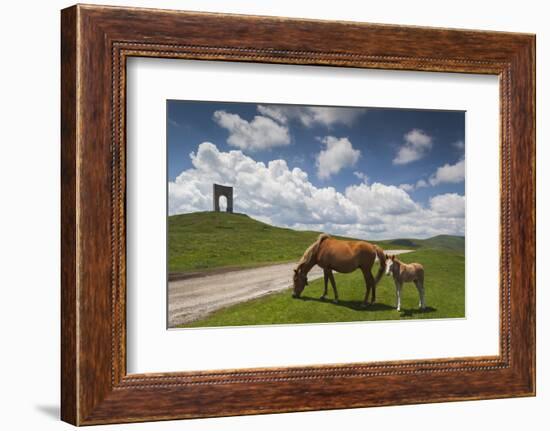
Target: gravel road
195,297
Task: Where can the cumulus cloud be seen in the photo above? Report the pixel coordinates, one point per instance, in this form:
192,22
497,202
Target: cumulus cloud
277,113
412,187
270,190
310,116
406,187
381,199
261,133
444,174
416,146
449,173
338,154
421,183
449,204
362,176
278,194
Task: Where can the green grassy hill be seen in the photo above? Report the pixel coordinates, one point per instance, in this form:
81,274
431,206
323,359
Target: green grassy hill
203,241
208,240
448,242
445,242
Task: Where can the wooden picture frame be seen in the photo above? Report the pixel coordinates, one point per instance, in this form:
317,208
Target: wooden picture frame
95,43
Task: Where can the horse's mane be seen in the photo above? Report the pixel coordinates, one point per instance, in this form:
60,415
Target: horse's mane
311,251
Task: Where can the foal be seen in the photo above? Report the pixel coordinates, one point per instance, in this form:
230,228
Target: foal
403,273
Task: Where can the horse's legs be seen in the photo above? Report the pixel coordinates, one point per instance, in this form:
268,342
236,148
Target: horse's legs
420,286
333,283
367,288
325,273
370,285
373,284
398,286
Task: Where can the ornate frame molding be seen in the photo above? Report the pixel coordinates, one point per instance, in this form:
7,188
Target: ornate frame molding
96,41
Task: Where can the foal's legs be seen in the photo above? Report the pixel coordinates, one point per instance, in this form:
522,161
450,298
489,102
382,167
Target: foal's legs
326,274
398,286
331,278
420,286
370,285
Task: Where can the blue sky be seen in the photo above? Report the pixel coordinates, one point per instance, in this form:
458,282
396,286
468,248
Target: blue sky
404,162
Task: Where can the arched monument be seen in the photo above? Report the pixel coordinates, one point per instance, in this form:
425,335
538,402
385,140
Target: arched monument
226,191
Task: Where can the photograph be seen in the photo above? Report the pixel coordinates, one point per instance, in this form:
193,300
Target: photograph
285,214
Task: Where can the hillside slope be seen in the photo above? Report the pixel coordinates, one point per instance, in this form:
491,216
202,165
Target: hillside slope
445,242
208,240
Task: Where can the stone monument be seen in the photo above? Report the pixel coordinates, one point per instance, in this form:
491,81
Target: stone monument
226,191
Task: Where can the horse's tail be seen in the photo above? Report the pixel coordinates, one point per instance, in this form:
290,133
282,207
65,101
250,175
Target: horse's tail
382,261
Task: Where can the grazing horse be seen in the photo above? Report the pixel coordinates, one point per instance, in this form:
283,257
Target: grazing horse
403,273
341,256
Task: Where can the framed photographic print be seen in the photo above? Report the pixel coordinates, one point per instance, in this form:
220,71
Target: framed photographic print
232,248
265,215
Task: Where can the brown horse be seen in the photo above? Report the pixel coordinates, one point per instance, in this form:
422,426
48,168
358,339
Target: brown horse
341,256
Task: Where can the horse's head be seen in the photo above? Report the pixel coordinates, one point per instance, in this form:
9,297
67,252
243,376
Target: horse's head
300,282
389,264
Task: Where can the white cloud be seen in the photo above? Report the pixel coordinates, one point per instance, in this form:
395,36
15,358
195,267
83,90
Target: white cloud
274,112
421,183
381,199
311,115
259,134
458,144
449,174
284,196
362,176
412,187
449,204
406,187
274,190
444,174
416,146
338,154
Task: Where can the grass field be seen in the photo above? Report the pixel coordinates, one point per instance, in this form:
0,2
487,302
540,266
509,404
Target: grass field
206,241
444,298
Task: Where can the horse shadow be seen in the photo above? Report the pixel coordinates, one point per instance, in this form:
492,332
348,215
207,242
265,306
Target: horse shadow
378,306
410,312
353,305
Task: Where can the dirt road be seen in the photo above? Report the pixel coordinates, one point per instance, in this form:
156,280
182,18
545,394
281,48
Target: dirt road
195,297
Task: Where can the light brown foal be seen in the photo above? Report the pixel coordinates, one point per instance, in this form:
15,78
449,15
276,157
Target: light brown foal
403,273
